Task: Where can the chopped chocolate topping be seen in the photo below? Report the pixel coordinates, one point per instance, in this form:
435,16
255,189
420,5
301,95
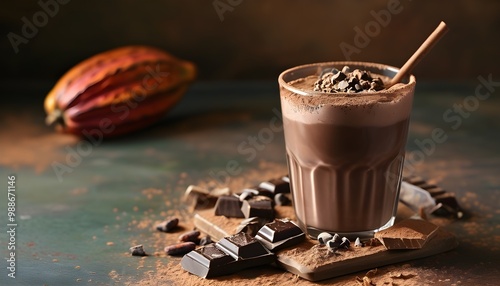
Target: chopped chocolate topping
344,81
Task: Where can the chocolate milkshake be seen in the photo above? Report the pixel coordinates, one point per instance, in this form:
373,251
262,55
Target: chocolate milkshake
345,149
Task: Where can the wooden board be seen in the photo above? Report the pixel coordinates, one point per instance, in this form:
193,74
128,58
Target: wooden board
314,262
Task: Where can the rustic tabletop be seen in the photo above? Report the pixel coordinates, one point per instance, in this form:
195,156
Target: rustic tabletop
79,206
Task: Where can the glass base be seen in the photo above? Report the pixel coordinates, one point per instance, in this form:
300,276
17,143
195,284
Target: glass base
314,232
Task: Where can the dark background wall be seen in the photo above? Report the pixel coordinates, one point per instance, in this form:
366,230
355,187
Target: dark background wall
237,39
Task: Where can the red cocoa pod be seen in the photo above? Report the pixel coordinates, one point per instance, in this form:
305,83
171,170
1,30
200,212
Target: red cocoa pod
118,91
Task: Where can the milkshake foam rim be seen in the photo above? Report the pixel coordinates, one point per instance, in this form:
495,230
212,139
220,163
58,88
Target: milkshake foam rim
377,108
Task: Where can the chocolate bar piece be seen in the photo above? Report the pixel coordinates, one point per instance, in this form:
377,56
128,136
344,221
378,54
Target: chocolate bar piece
282,199
199,198
251,225
229,206
407,234
211,226
209,261
247,194
286,179
273,187
229,255
449,204
258,206
241,246
435,191
279,234
414,180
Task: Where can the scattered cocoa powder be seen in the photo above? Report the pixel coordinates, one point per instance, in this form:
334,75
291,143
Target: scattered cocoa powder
34,147
167,270
171,273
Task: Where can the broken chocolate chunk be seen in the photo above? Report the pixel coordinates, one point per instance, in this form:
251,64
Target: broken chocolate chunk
407,234
324,237
199,198
229,206
137,250
205,240
333,245
345,243
337,243
286,179
241,245
209,261
247,194
279,234
449,205
273,187
229,255
259,206
446,203
282,200
358,243
251,225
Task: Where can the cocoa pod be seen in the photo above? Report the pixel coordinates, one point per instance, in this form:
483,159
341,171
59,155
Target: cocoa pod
118,91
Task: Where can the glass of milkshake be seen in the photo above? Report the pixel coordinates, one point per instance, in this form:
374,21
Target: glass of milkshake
345,142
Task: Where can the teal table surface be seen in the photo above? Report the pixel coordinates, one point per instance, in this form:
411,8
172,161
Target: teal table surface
80,206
